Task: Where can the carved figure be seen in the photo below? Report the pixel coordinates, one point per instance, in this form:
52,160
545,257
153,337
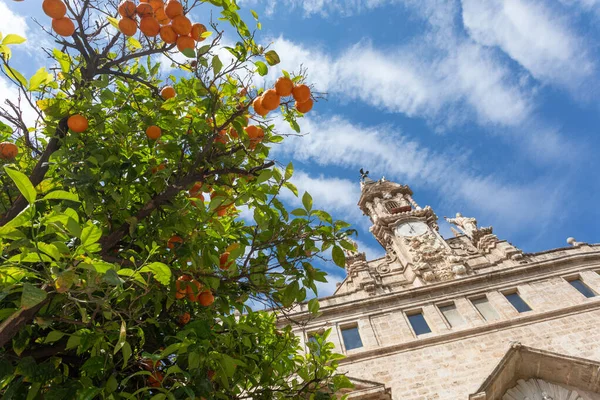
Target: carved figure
466,224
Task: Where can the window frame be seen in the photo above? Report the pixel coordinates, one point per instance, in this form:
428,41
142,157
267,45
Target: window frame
484,296
416,311
509,292
578,277
347,326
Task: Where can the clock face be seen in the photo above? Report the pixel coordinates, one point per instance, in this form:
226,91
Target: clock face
414,228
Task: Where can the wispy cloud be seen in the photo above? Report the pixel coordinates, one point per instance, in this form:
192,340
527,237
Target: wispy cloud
11,22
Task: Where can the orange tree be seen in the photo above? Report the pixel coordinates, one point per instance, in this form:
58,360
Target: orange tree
125,268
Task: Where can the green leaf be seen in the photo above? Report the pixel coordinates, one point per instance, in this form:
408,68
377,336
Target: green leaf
289,171
40,77
307,201
16,75
339,258
63,59
31,296
134,43
216,65
254,14
162,272
23,184
114,22
122,338
61,195
262,68
54,336
189,53
292,188
272,57
126,353
90,235
11,38
49,249
313,306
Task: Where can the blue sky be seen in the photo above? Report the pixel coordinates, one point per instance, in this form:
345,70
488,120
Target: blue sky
489,108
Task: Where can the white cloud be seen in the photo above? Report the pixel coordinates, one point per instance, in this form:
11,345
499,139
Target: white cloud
11,22
327,288
533,35
338,142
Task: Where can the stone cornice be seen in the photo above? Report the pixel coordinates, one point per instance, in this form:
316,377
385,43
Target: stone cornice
461,334
457,285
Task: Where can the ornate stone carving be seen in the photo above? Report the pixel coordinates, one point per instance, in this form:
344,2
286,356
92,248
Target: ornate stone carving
466,224
432,260
538,389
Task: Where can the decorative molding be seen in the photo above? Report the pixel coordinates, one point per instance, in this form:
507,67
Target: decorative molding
539,389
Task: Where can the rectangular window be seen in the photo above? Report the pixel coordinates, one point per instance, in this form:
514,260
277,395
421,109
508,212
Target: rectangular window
517,302
482,304
418,323
351,338
582,287
452,315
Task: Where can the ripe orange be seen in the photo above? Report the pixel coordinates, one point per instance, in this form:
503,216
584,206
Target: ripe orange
77,123
181,286
270,100
233,133
255,132
167,34
301,93
179,295
167,92
54,8
161,16
153,132
173,9
193,290
171,243
185,42
194,190
224,262
8,150
284,86
159,167
144,10
197,31
222,137
127,8
156,4
258,107
127,26
63,26
304,107
181,25
206,298
155,379
184,318
149,26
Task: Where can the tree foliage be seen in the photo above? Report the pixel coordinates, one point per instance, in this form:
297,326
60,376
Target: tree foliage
106,235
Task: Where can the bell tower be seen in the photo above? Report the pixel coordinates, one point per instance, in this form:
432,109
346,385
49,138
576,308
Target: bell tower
408,232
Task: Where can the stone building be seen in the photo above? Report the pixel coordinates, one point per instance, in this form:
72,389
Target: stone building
471,317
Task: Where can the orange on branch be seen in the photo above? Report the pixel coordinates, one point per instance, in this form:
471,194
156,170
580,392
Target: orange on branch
304,107
153,132
197,31
194,190
8,150
149,26
284,86
167,34
127,26
184,318
159,167
127,9
185,42
168,92
54,8
174,241
193,290
206,298
161,16
63,26
173,8
255,132
144,10
233,133
77,123
181,25
270,100
156,4
258,107
155,380
224,262
301,93
222,137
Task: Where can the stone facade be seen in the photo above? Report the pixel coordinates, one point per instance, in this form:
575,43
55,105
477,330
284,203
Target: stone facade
460,290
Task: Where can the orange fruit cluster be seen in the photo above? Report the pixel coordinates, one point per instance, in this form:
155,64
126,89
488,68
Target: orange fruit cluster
188,287
284,87
77,123
57,10
160,18
8,150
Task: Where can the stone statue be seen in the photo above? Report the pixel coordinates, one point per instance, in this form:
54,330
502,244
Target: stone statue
465,224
